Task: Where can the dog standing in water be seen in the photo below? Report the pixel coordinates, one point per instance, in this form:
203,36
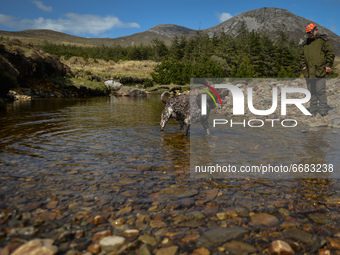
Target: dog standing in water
178,108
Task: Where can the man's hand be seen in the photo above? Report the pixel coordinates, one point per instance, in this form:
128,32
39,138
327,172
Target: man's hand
328,69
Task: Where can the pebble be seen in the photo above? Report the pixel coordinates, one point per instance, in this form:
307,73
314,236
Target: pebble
100,235
219,234
111,243
201,251
333,243
22,232
94,248
239,247
167,250
264,219
143,250
191,236
52,205
32,206
157,224
300,235
324,252
37,247
147,239
12,246
279,247
320,218
130,233
97,220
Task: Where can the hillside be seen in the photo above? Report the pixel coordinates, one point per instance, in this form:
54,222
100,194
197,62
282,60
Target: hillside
39,74
264,20
161,32
270,21
38,36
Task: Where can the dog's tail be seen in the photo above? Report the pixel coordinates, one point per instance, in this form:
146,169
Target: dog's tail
162,96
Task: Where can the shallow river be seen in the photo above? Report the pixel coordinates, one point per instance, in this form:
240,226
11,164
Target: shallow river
63,162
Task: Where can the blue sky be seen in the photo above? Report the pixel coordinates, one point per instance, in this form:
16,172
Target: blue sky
116,18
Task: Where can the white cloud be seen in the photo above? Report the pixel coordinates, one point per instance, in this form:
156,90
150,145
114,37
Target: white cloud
78,24
5,19
41,6
224,16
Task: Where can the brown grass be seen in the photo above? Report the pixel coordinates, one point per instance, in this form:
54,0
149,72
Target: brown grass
106,70
111,69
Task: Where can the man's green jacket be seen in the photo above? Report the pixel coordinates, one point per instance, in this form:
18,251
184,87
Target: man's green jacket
317,53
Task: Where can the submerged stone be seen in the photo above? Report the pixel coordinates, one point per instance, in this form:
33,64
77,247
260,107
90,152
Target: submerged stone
111,243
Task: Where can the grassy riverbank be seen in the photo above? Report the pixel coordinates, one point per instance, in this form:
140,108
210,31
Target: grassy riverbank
92,73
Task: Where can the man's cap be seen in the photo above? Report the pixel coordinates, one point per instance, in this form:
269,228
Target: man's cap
310,27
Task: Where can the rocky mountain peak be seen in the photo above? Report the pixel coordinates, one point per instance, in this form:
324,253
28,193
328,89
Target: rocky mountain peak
270,21
171,31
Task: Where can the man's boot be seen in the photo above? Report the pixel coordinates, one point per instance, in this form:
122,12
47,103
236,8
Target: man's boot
323,107
313,109
323,110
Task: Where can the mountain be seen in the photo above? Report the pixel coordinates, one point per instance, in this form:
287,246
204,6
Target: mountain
265,20
165,33
270,21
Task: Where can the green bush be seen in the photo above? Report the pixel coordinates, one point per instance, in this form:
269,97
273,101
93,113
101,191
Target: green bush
148,83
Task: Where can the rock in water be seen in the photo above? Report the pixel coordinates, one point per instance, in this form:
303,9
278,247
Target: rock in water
279,247
167,250
111,243
113,84
37,246
264,219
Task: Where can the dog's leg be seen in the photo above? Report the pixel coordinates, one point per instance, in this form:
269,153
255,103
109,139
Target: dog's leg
163,123
181,124
186,129
205,125
186,126
166,114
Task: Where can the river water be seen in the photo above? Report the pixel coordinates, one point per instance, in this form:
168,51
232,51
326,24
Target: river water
65,161
52,137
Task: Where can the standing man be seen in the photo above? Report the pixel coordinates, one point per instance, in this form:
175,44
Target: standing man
316,61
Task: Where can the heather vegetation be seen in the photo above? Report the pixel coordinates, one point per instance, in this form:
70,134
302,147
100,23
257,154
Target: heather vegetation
247,55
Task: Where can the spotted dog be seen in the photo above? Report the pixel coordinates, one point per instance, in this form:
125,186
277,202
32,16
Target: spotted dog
178,108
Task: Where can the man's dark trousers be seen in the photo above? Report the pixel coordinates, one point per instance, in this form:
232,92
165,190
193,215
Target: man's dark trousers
318,101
